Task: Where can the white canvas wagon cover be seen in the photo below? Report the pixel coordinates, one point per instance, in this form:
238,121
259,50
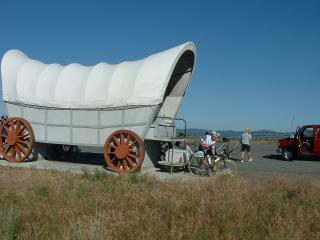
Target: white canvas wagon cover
135,83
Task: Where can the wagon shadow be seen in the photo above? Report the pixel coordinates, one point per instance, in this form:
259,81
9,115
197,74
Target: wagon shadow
51,152
83,158
88,158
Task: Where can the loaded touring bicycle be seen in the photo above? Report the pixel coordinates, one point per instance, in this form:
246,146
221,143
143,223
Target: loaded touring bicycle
128,109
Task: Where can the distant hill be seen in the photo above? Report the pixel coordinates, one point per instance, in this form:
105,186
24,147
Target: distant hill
264,132
197,133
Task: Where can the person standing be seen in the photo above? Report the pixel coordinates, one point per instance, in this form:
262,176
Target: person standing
246,143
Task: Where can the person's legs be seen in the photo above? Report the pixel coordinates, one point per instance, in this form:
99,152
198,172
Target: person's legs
242,153
206,152
205,162
248,153
213,150
215,155
245,150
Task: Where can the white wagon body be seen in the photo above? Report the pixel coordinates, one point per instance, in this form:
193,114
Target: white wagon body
81,105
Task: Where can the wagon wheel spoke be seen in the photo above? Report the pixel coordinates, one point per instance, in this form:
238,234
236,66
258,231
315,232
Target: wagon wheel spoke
133,151
18,152
121,138
18,126
11,124
130,162
109,146
118,163
133,143
8,149
116,140
25,135
22,130
21,148
132,156
26,140
20,141
13,152
127,139
124,164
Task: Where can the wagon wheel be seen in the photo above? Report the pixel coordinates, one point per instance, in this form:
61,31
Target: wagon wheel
17,139
124,151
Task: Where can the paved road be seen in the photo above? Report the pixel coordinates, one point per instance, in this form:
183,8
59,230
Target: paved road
266,161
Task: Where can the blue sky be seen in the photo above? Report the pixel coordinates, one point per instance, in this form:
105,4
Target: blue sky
258,62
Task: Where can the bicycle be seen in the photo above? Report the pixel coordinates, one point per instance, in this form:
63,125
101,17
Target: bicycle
204,165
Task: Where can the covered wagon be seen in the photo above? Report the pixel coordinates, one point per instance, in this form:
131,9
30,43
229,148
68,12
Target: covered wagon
127,109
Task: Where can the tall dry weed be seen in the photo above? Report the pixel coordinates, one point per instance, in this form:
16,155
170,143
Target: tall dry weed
51,205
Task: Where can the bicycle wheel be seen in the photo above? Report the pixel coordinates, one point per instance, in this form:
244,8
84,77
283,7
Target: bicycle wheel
228,168
196,167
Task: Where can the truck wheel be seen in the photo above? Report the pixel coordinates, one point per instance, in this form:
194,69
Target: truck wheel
287,154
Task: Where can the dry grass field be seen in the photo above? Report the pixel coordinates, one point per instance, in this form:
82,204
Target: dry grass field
52,205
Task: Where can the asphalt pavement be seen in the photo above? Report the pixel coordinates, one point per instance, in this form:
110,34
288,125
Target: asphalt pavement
265,161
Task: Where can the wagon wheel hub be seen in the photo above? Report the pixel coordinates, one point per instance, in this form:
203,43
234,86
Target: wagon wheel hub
12,139
122,151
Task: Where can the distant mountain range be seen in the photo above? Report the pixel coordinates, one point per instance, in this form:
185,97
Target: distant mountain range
196,132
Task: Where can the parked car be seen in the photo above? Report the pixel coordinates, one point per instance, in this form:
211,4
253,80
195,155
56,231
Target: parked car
305,142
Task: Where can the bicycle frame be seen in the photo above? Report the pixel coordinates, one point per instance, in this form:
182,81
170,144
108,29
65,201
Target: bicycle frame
203,166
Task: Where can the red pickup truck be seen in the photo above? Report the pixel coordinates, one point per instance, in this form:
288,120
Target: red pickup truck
306,142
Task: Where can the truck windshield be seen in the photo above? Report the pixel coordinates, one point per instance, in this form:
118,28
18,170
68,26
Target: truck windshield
308,132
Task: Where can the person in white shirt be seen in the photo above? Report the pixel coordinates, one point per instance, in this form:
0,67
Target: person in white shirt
246,141
208,143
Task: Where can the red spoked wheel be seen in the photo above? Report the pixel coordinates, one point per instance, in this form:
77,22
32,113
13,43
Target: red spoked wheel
124,151
17,139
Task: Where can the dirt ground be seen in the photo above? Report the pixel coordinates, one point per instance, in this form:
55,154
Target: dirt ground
265,161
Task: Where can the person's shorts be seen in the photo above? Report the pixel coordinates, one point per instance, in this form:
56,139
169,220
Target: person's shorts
208,151
245,148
